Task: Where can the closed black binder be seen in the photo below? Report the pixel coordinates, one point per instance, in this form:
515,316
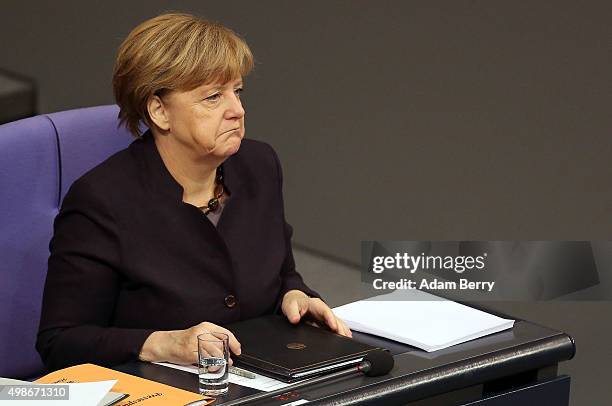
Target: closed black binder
276,348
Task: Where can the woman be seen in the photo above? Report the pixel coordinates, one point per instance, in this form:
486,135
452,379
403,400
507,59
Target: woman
182,232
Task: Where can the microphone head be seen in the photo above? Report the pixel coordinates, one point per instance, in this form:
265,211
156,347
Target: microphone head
380,363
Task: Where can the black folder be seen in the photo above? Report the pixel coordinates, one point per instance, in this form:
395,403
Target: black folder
276,348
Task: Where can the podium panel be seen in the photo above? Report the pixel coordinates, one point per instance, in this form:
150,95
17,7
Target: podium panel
517,366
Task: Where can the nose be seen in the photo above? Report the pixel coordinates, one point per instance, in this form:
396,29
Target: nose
234,109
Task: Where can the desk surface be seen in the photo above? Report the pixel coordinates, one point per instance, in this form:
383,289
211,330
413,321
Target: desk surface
416,374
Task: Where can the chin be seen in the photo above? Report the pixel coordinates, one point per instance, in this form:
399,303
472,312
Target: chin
232,148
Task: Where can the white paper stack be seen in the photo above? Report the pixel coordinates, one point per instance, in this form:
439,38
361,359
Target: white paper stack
420,319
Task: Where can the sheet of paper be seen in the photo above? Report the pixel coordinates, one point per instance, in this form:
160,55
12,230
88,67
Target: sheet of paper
80,394
261,382
420,319
108,399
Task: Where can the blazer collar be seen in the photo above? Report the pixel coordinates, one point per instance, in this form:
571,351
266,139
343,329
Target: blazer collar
162,181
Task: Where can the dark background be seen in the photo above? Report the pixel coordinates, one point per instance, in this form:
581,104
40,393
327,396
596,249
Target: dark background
405,120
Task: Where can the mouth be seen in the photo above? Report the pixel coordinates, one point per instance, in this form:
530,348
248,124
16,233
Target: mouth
229,131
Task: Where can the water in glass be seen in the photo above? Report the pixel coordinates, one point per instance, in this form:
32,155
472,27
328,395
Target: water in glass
213,375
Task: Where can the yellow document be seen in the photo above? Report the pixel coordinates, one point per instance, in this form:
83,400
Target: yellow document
141,391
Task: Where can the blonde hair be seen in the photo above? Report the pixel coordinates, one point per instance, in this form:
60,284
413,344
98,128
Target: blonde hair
173,52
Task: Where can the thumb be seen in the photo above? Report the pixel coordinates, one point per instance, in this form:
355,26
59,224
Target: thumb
293,312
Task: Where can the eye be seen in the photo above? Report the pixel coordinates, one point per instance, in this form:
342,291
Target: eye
239,91
213,97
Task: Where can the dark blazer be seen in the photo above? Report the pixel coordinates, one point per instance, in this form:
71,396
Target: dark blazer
129,257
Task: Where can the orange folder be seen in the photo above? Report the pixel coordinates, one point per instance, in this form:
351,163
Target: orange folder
141,391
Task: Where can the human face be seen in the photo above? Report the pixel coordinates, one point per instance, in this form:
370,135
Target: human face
208,119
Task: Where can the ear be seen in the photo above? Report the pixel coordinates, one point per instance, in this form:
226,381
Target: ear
158,113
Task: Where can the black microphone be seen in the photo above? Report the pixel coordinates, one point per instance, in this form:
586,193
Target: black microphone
374,363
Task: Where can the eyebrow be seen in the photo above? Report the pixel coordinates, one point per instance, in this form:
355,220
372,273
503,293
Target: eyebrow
220,87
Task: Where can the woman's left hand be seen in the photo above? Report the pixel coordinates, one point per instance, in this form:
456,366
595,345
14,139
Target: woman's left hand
296,305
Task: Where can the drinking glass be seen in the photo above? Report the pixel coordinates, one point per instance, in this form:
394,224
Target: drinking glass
213,357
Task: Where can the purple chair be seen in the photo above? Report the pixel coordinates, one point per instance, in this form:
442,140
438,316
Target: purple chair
40,157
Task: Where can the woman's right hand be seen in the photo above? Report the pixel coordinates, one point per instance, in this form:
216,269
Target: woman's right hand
181,346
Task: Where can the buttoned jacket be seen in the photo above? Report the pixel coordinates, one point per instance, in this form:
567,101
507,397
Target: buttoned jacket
129,257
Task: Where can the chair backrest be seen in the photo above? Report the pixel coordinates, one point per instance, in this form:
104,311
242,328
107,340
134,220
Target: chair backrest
40,157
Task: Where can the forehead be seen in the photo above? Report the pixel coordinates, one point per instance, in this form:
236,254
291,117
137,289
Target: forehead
219,84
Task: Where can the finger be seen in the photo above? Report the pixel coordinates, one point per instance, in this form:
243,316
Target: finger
349,333
303,305
292,311
345,330
211,350
342,330
321,312
216,350
204,353
330,319
233,342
